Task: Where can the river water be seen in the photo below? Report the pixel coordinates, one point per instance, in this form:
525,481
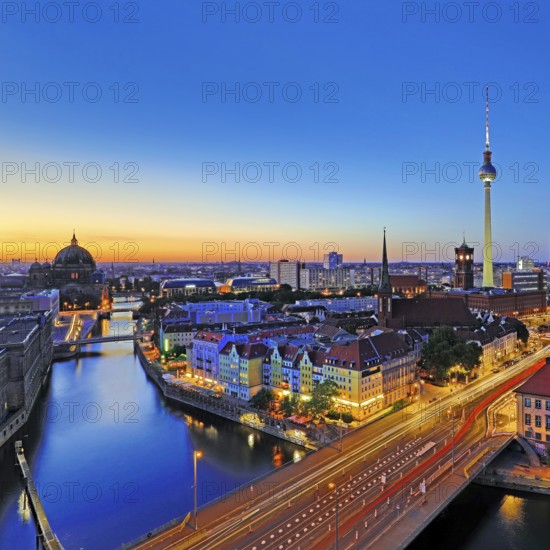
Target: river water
483,518
112,459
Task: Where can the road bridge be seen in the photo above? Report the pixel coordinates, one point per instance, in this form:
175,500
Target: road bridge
392,476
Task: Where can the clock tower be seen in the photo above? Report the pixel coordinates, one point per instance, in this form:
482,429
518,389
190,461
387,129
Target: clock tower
464,266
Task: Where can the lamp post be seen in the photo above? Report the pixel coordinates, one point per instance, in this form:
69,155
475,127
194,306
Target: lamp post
332,486
196,454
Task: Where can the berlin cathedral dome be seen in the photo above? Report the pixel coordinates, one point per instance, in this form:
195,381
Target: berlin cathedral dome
74,273
73,264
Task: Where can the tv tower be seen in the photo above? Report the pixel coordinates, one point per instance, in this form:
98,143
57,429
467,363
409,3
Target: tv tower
487,174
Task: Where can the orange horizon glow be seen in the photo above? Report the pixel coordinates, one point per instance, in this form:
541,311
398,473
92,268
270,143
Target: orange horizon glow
125,249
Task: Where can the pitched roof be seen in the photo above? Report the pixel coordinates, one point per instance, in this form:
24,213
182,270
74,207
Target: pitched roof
317,357
254,350
539,383
209,336
328,330
432,312
406,280
374,349
246,351
389,344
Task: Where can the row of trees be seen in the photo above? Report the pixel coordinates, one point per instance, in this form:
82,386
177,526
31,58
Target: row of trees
321,400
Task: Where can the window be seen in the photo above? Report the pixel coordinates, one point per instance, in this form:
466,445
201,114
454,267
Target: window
527,401
548,405
527,419
547,422
537,404
537,436
537,421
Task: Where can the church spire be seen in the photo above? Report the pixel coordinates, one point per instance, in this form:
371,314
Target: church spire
385,285
74,242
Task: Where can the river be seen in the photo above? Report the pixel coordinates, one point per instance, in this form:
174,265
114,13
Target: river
113,459
482,518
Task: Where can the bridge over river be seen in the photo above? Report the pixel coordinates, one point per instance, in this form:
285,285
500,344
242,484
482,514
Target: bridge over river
69,348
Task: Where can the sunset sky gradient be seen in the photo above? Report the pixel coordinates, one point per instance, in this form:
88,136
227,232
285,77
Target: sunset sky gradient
371,133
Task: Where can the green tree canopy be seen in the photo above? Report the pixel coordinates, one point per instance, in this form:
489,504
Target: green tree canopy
263,400
445,350
292,404
522,332
322,397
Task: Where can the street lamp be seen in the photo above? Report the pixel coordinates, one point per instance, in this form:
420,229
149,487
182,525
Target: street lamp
332,487
196,454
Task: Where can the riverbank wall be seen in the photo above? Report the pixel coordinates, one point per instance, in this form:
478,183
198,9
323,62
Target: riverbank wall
220,407
513,471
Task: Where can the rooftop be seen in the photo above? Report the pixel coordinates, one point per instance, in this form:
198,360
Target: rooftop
539,383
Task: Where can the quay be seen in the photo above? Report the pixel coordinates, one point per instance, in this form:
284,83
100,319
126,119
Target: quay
516,470
49,540
225,410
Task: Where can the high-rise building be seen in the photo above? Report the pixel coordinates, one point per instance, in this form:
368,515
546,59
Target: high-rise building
286,272
487,174
318,278
523,280
464,266
525,263
333,260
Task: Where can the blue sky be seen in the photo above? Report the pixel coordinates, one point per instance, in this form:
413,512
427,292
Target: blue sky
354,125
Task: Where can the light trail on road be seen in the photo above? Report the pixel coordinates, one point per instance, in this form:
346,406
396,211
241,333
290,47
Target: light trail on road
230,526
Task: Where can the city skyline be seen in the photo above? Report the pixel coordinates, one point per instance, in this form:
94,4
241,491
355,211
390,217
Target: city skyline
390,145
106,251
274,275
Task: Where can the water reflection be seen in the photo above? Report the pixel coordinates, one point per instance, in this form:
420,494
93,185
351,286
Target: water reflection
297,456
483,517
23,508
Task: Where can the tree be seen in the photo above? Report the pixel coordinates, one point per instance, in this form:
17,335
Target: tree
177,350
322,397
292,404
522,332
263,400
398,405
347,417
445,350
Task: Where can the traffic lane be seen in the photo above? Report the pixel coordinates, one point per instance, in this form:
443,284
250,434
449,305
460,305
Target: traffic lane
363,485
